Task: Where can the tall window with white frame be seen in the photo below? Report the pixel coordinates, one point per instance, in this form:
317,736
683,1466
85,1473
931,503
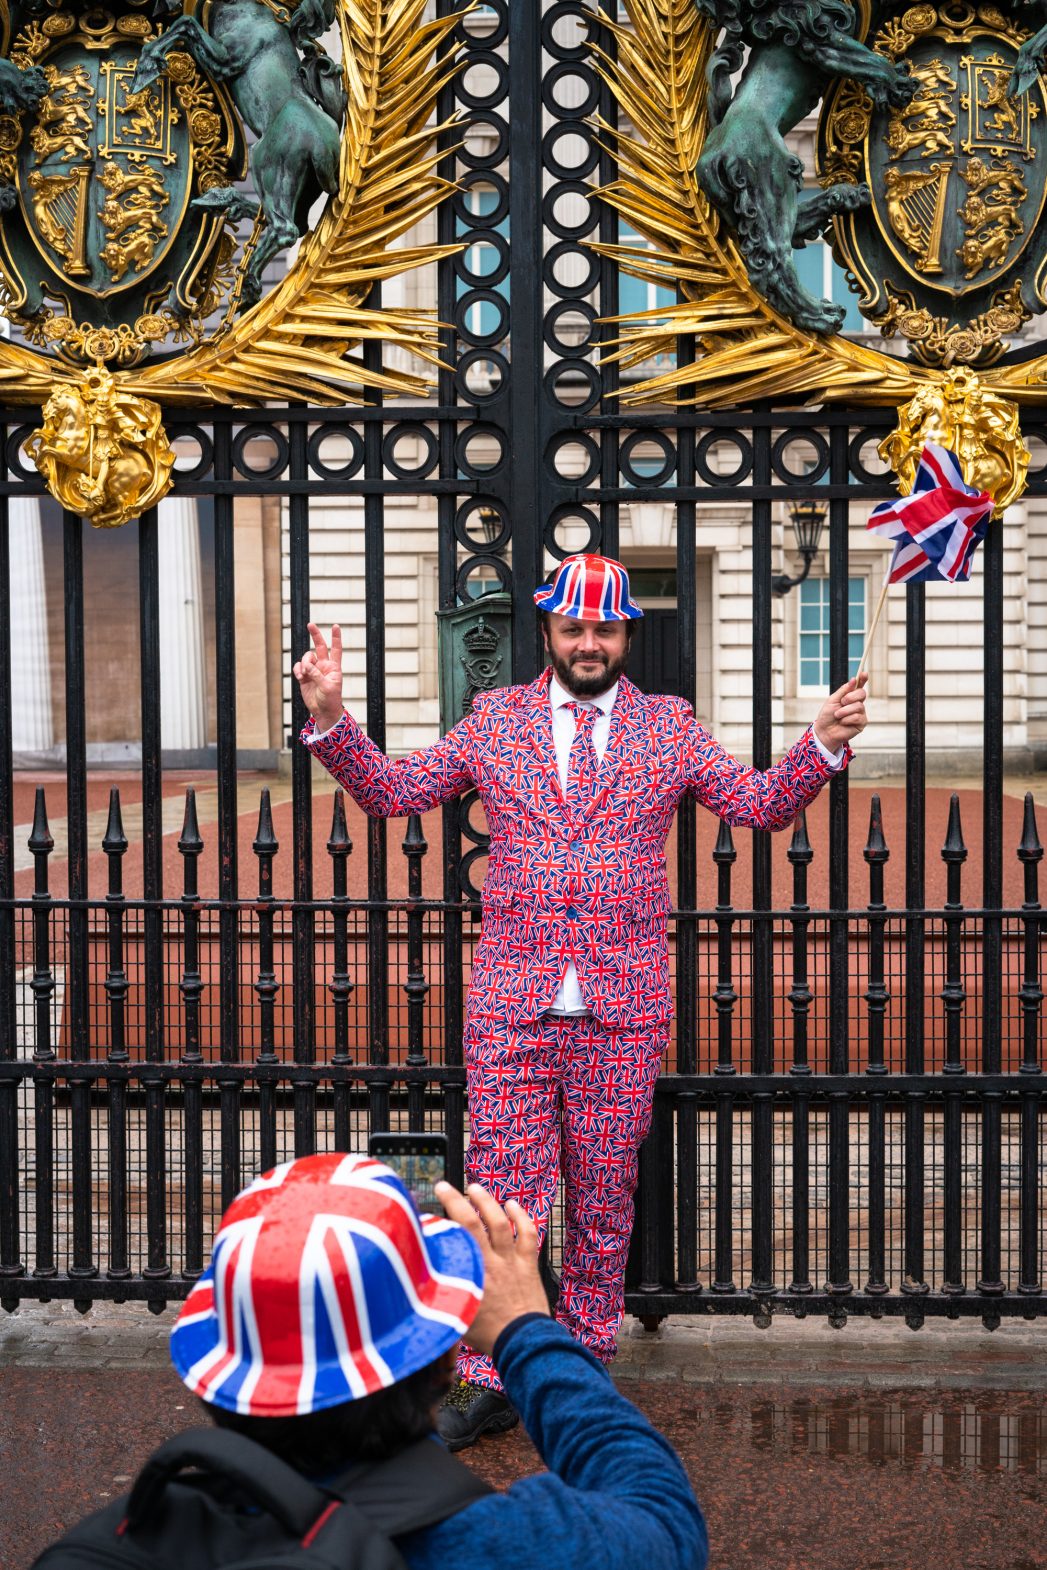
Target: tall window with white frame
813,625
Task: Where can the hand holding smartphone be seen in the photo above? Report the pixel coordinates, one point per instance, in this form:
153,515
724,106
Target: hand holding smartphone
419,1161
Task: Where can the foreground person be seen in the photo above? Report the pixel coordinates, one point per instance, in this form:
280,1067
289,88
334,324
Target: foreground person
580,774
321,1339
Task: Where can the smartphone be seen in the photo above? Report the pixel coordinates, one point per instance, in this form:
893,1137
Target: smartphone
419,1161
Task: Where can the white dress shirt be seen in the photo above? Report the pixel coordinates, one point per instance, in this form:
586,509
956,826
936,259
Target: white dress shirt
568,999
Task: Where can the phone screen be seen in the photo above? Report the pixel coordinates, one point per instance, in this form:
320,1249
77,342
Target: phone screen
419,1161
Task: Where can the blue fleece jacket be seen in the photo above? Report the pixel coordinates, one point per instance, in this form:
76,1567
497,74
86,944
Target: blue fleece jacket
615,1496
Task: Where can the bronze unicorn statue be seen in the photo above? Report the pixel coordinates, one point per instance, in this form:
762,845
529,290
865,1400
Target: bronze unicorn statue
795,47
294,106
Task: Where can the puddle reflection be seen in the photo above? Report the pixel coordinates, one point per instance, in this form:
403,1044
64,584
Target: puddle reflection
974,1433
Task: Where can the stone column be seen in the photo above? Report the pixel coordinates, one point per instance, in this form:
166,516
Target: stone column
182,689
33,727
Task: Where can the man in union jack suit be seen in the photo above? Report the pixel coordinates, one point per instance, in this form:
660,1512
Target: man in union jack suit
579,774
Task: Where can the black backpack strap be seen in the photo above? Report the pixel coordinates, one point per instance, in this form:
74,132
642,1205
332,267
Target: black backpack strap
273,1485
418,1487
367,1505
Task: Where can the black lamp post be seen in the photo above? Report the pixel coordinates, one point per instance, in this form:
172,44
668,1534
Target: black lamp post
807,519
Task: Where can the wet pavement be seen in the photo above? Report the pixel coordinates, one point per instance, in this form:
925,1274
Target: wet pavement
812,1478
808,1448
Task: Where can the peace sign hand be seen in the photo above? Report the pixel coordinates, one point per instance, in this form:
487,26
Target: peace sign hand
319,676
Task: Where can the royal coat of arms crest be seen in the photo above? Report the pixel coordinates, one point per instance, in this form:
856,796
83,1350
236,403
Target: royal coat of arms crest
930,184
951,251
154,161
109,244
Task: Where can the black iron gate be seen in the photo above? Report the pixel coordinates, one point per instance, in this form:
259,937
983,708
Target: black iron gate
849,1120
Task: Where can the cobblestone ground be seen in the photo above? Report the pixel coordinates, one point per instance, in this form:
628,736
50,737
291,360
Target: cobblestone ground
861,1449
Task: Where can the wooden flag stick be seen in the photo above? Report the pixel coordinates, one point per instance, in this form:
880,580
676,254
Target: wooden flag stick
872,625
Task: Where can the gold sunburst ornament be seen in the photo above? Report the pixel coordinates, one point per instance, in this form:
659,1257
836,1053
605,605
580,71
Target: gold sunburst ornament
127,223
896,104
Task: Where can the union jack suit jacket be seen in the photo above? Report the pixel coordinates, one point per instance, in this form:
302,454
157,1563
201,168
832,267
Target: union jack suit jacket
587,884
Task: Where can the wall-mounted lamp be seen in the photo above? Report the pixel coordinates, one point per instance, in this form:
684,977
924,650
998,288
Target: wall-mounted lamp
807,520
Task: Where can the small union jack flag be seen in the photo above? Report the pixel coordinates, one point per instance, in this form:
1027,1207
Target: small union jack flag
325,1285
937,528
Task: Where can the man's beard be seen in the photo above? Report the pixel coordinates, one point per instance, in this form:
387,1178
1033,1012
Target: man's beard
588,686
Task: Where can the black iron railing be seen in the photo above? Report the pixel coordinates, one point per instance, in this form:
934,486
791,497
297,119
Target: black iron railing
117,1159
850,1118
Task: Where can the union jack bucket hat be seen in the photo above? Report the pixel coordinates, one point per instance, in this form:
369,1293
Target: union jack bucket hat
325,1284
590,588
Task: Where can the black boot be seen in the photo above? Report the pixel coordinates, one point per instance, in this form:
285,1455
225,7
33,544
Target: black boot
471,1410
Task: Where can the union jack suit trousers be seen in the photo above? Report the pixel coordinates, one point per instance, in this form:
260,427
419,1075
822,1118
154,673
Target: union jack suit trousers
564,1095
583,881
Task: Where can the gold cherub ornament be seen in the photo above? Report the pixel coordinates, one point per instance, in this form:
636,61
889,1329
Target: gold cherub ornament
972,420
102,451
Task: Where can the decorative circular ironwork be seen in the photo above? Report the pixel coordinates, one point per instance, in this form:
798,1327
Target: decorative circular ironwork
556,256
467,804
806,439
562,312
486,180
564,518
476,62
1036,442
470,369
571,373
711,443
479,210
567,70
335,435
563,191
477,564
634,445
481,17
485,241
15,448
260,435
590,156
497,153
570,447
492,520
186,467
556,17
475,436
867,439
429,447
473,335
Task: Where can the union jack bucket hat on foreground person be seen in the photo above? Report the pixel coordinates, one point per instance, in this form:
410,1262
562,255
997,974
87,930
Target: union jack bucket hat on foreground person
589,588
325,1284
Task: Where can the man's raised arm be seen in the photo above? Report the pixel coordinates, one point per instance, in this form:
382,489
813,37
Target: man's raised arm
771,798
381,787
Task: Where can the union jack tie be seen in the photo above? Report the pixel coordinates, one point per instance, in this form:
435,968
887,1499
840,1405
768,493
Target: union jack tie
582,761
